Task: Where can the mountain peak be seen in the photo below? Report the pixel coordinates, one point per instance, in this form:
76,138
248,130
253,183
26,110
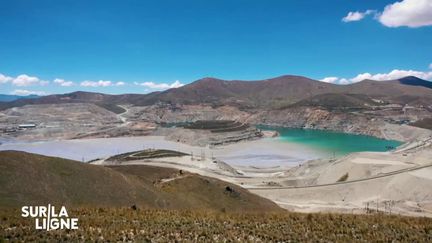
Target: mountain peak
415,81
411,78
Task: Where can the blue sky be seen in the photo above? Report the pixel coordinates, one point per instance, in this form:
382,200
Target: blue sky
141,46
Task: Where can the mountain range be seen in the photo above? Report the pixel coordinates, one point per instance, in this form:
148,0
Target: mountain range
271,93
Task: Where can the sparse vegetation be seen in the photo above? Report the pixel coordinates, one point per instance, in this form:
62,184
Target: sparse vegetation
127,224
146,154
157,153
217,126
112,107
343,178
337,102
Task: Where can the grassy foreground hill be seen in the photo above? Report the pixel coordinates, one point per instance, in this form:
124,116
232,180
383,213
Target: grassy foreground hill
30,179
172,207
127,225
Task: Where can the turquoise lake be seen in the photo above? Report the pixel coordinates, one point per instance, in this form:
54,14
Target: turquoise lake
333,142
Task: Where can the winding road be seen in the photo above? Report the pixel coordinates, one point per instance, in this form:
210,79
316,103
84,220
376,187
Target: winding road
345,182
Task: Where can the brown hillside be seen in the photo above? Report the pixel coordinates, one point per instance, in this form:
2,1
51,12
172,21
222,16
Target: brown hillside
30,179
270,93
392,91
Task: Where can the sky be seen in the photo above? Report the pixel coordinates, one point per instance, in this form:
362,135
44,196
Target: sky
126,46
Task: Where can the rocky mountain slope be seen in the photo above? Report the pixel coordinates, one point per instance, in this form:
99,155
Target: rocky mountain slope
366,107
269,93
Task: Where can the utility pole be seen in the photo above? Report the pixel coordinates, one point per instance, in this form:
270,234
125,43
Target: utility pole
377,206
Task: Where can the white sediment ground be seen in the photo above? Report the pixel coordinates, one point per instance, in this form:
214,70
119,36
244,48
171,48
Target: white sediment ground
391,182
266,152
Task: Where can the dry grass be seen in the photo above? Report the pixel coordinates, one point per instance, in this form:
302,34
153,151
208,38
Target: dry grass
124,224
30,179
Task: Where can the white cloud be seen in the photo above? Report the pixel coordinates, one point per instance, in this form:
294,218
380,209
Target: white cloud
100,83
353,16
63,82
344,81
23,92
356,16
160,86
394,74
335,80
22,80
330,79
4,79
411,13
25,80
